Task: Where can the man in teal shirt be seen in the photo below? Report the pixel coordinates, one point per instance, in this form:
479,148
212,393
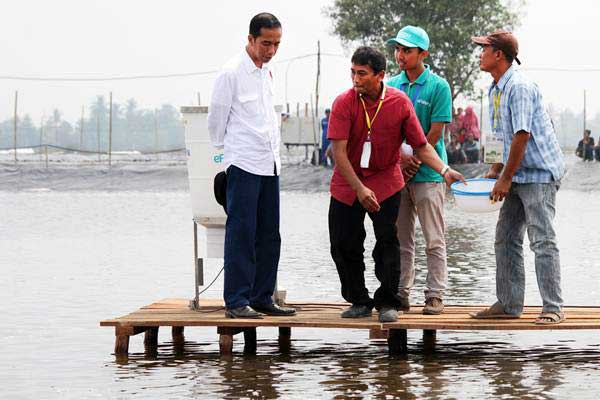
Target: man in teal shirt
423,195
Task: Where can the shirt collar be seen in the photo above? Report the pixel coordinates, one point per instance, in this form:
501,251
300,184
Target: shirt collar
503,79
249,65
420,80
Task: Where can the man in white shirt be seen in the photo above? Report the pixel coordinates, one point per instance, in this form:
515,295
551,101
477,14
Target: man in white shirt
242,120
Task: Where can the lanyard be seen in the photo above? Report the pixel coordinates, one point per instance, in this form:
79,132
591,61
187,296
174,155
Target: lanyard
368,119
415,93
497,97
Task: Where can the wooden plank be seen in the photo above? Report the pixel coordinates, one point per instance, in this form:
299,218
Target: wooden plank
175,312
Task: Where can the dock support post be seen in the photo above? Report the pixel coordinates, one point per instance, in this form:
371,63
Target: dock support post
397,341
429,340
225,340
177,335
250,340
121,344
151,337
285,339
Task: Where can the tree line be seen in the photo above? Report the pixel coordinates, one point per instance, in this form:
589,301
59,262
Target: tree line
133,128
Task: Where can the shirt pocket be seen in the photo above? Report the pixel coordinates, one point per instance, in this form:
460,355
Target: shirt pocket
250,103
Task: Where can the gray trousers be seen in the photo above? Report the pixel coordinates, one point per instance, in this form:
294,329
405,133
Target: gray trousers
528,207
425,200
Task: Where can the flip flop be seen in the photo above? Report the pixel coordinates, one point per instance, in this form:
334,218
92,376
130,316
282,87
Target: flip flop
495,311
550,318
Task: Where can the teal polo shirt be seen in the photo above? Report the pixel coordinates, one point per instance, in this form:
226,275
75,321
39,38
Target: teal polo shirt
431,97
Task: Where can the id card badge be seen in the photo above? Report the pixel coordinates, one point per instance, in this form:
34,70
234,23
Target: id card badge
366,155
493,148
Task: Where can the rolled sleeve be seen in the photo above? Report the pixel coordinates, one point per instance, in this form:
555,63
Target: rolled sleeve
340,122
220,106
442,103
521,108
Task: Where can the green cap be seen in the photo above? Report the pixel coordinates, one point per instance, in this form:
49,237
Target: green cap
410,36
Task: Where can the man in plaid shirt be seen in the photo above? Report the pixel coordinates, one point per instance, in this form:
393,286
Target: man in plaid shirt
527,181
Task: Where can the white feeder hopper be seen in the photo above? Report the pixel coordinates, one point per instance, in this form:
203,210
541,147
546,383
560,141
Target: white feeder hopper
204,161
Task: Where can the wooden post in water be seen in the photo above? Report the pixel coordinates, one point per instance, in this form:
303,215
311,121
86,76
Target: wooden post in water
250,340
177,335
81,129
429,340
285,339
155,130
397,341
151,338
98,135
110,132
15,126
584,111
225,340
316,128
41,135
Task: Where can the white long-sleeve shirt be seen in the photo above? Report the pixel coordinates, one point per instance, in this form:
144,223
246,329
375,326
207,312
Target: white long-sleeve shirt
242,117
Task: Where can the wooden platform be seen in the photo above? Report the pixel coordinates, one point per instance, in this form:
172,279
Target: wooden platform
175,313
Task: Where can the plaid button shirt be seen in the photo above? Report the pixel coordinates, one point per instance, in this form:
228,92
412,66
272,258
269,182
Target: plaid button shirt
521,109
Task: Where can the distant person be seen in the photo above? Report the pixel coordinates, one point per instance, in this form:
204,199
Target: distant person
243,120
527,181
597,150
454,150
585,148
324,140
470,123
471,149
457,120
423,195
367,126
462,135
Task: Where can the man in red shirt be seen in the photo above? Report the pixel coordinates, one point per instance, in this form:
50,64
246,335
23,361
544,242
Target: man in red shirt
367,126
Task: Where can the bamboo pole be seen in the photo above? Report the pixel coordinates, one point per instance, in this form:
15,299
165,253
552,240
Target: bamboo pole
41,135
81,129
110,132
15,126
98,134
584,110
155,130
316,158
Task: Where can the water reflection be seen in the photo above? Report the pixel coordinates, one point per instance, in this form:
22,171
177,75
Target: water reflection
358,370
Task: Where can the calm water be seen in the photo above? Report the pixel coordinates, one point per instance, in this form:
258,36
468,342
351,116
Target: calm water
72,255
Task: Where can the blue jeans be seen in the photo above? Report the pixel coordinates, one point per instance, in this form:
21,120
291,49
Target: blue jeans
528,207
252,240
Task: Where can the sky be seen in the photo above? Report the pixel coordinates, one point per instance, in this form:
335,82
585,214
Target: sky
110,38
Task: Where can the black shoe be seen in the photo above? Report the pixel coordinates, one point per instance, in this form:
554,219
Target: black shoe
242,312
273,310
404,304
357,311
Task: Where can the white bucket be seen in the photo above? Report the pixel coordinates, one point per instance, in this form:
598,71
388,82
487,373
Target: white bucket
474,197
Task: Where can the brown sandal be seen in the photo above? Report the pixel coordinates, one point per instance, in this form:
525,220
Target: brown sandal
495,311
550,318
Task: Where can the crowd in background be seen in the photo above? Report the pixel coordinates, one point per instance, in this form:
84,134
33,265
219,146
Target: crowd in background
464,137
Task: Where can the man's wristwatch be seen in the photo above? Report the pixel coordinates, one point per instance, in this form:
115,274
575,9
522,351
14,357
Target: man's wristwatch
445,170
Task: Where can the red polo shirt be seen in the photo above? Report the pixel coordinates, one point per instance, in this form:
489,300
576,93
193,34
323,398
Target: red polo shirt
395,122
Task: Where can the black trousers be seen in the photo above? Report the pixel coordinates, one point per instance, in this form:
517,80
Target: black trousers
347,236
